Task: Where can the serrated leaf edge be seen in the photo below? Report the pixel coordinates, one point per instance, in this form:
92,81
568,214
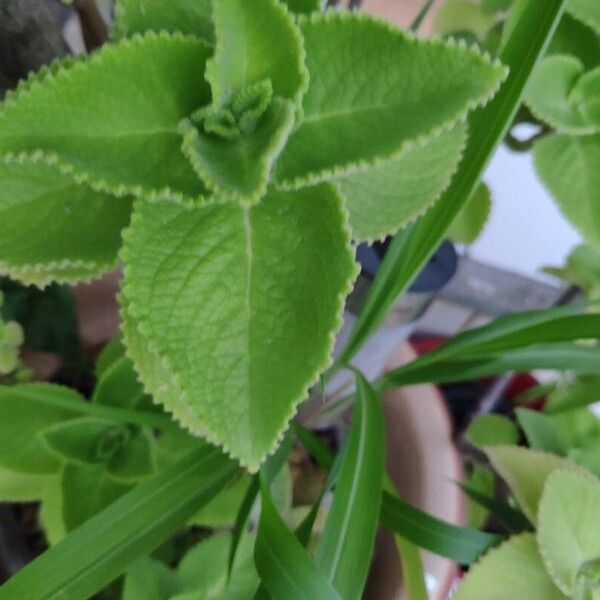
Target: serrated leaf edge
363,165
81,176
274,149
381,237
176,404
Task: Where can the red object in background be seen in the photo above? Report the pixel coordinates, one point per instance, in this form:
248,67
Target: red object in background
520,383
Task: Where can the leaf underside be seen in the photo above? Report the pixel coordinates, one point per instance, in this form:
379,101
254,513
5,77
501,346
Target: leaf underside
230,312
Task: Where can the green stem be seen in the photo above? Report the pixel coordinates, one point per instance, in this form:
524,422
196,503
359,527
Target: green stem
111,413
414,27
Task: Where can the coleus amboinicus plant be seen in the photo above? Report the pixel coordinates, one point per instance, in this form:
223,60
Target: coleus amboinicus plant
248,145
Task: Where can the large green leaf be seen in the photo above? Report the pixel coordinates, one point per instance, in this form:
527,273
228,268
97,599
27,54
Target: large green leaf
525,471
573,37
587,11
568,520
256,41
21,487
541,431
514,570
203,286
552,92
388,196
413,246
368,102
53,229
285,568
105,546
492,430
462,544
120,132
186,16
345,546
22,417
570,169
471,220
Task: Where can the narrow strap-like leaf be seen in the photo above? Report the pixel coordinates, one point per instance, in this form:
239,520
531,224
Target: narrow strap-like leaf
487,126
100,550
285,568
346,544
462,544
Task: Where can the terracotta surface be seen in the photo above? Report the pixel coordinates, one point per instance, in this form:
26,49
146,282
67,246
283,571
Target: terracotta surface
424,464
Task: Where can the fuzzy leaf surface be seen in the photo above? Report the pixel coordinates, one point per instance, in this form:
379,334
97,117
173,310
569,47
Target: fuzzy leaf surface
388,196
568,532
514,570
570,169
256,41
186,16
120,133
53,229
367,102
550,92
230,312
239,168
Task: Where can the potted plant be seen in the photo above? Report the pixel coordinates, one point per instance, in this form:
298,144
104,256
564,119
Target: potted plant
228,155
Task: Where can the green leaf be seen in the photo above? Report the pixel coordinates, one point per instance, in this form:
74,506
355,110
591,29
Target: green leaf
481,483
53,229
85,440
255,42
21,487
238,168
91,483
462,544
303,7
134,459
120,133
492,430
586,96
119,385
346,544
150,579
471,220
570,168
514,570
195,322
413,246
568,532
362,108
587,11
222,509
285,568
550,93
525,471
541,432
573,37
456,16
388,196
22,417
51,511
111,353
104,547
559,357
187,16
581,268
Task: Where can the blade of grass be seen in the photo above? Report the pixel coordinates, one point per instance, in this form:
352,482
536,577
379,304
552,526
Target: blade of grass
461,544
487,127
286,570
346,544
105,546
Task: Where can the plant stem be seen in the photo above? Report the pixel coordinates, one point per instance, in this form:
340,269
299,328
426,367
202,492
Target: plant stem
414,27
